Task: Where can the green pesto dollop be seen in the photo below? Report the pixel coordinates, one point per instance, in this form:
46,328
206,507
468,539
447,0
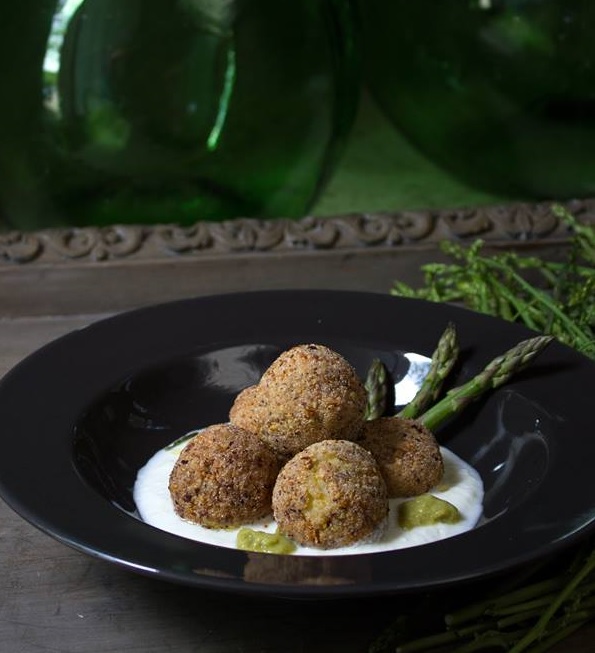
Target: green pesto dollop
249,539
426,510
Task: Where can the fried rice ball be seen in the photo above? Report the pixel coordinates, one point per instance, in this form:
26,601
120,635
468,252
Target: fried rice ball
248,411
329,495
224,477
308,394
407,453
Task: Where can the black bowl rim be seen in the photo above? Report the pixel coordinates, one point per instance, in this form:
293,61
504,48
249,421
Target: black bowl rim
42,397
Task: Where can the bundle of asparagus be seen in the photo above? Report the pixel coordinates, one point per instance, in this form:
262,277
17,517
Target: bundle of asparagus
555,298
423,407
551,600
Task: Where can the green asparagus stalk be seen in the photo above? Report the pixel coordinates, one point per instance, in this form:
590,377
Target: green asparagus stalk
376,389
496,373
184,438
529,618
443,360
555,298
559,301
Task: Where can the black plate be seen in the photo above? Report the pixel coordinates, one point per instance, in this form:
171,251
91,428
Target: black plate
81,415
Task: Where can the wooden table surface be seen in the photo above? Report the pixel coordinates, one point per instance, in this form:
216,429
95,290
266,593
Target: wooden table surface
53,598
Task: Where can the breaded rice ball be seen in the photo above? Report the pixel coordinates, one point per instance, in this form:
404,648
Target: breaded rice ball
331,494
247,411
224,477
407,453
309,393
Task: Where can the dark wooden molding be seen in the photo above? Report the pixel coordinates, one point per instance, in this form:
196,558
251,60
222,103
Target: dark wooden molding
92,269
515,223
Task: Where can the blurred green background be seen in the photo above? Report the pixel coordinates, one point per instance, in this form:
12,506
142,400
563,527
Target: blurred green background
381,171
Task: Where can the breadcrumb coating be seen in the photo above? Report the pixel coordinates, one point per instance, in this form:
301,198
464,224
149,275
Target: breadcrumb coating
331,494
224,477
308,394
407,453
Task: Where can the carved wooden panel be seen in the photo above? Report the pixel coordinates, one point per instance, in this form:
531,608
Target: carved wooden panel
111,268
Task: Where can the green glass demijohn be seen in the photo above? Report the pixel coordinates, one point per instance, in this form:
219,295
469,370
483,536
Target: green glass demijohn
152,111
500,93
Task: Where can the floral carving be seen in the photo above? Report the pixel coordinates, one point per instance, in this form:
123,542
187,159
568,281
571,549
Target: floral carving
248,234
178,240
525,225
16,247
93,243
514,222
317,233
466,223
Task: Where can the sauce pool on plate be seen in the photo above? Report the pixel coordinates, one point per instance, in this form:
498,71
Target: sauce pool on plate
461,486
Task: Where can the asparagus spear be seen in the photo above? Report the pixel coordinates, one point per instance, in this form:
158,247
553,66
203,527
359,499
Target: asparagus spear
375,385
496,373
564,308
553,297
530,617
443,359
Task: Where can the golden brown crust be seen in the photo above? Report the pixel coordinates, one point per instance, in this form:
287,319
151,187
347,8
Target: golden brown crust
331,494
308,394
247,411
407,453
224,477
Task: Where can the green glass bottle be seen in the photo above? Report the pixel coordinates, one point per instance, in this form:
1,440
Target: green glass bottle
151,111
501,93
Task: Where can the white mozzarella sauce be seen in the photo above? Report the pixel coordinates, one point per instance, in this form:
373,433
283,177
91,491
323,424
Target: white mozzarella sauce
461,486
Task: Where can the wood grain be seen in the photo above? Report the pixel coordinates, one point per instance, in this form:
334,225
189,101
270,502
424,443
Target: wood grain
53,598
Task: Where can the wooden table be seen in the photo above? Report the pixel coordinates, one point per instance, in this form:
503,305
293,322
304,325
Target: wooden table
53,598
56,599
